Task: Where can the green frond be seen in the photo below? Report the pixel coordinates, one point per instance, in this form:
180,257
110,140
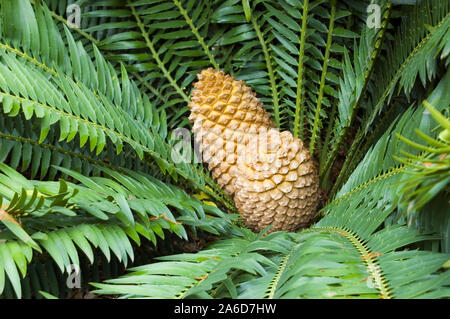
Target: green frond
325,262
114,110
145,27
19,140
193,275
91,172
408,57
429,173
315,132
267,52
353,85
381,155
271,73
104,213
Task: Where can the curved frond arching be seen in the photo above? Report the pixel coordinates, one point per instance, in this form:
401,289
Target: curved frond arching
113,110
102,213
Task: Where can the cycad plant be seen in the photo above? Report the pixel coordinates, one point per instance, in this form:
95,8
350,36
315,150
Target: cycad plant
91,174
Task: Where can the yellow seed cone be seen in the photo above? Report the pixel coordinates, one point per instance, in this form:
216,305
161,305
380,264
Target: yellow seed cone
270,175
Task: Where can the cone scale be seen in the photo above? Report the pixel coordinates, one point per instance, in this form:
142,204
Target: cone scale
270,174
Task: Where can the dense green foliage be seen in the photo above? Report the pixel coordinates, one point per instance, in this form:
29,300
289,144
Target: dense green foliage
87,169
